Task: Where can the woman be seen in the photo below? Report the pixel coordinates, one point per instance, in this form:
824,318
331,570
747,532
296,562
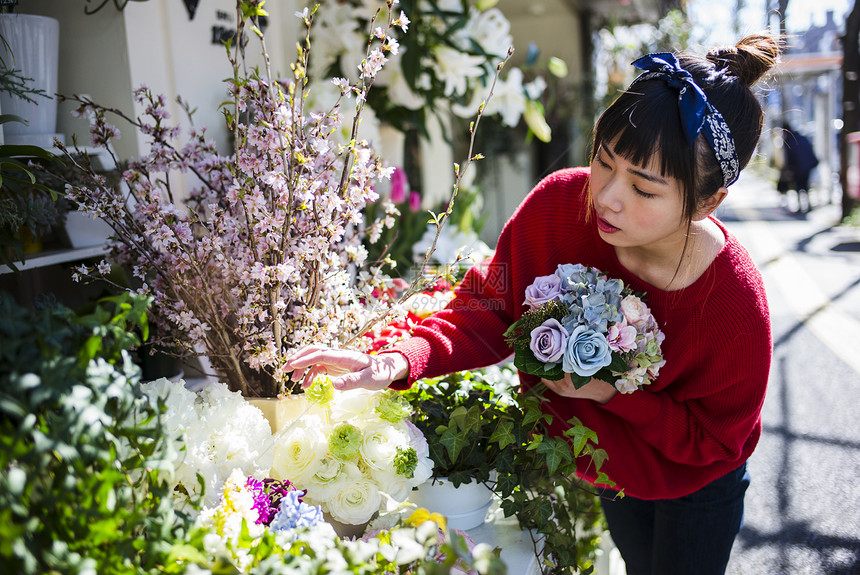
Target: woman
664,154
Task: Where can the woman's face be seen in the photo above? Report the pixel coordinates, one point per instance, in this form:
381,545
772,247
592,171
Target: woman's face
636,206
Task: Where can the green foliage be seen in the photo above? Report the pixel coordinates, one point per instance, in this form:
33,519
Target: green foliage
24,199
82,447
480,422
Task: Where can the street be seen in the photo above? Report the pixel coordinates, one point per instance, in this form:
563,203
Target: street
803,506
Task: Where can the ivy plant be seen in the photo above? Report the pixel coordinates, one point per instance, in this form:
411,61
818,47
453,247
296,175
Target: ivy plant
481,422
82,447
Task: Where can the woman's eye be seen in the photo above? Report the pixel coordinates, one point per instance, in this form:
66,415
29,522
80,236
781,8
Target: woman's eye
644,194
601,162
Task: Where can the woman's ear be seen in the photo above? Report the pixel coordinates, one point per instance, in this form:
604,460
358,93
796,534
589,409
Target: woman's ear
707,207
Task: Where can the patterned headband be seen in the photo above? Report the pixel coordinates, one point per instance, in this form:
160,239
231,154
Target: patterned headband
697,114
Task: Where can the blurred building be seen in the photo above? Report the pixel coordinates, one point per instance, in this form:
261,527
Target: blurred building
810,93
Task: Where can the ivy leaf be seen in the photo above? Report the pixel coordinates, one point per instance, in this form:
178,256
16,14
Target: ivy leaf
454,443
599,456
556,452
503,434
580,436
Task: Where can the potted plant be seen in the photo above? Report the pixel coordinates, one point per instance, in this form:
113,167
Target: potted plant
481,428
28,208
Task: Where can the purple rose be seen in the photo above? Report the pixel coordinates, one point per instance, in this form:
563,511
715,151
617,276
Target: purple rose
549,341
587,352
542,290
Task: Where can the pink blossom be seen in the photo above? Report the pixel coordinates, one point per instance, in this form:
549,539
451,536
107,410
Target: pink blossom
622,337
414,201
398,186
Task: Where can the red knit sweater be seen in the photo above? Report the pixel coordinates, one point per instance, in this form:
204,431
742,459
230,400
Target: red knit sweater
698,420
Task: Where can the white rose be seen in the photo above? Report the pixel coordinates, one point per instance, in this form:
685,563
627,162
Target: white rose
380,444
417,440
356,504
396,486
332,475
298,451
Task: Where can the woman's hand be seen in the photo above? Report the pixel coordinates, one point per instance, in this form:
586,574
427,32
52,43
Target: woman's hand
595,390
351,368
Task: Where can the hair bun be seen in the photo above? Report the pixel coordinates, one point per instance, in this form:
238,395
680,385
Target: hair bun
749,59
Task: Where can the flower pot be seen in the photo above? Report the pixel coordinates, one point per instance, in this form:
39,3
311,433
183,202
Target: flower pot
35,45
280,411
84,231
464,507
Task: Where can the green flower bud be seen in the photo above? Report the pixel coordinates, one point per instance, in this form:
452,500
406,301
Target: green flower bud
321,391
344,441
392,407
406,461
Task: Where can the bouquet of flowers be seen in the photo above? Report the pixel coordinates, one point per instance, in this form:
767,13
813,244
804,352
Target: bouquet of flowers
582,323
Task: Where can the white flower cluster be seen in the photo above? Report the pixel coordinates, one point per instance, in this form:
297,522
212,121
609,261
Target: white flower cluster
214,431
458,51
353,453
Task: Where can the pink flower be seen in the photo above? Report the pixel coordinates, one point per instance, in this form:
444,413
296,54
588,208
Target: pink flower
398,186
622,337
635,311
414,201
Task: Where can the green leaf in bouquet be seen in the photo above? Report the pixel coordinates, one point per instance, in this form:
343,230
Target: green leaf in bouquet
454,443
619,364
579,380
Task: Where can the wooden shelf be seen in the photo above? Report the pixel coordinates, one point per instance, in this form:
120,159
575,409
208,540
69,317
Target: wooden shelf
51,258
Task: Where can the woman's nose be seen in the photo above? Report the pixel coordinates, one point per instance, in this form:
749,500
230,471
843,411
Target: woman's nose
609,195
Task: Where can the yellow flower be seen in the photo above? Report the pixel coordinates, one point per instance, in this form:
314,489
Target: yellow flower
421,515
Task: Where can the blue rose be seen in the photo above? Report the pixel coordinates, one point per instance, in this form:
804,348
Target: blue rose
586,353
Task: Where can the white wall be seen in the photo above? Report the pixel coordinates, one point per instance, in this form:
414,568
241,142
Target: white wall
154,43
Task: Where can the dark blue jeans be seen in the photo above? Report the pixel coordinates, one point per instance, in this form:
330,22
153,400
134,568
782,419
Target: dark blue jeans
690,535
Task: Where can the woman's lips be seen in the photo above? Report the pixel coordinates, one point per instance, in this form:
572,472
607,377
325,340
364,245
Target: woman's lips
605,226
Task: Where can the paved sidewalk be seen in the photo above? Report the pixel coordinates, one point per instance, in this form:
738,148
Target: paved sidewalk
803,506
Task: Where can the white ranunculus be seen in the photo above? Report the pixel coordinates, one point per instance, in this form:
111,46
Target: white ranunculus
356,503
299,449
332,476
353,403
380,444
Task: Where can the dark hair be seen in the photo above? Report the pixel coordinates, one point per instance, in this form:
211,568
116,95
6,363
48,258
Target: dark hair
645,119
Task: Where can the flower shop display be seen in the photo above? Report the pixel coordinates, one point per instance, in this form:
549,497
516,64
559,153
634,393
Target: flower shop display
266,254
87,457
354,453
482,428
582,323
291,538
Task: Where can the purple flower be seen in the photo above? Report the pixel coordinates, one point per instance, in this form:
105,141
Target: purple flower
542,290
586,353
548,341
267,496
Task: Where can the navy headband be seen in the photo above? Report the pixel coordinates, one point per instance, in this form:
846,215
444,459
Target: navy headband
697,114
